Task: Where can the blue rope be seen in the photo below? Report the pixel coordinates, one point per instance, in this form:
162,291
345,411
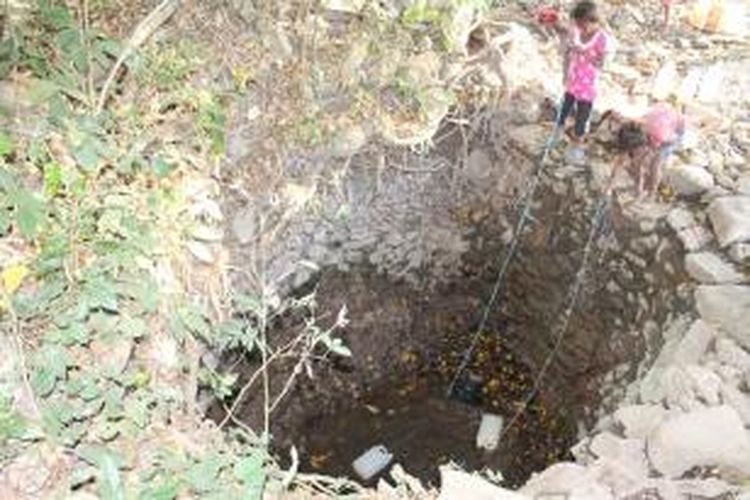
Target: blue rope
522,220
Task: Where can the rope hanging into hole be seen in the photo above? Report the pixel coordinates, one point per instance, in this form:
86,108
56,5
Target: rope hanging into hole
525,215
596,224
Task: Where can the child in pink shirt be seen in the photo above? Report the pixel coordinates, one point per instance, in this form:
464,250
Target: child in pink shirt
587,47
648,143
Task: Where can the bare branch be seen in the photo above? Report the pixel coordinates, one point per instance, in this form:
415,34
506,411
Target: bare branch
142,32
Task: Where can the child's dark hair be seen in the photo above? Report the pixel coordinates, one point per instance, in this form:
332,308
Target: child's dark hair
630,137
585,11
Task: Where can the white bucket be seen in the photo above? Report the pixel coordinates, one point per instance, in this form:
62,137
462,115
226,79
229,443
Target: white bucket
371,462
488,436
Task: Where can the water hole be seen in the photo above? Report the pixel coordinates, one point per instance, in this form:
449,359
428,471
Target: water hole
408,341
408,333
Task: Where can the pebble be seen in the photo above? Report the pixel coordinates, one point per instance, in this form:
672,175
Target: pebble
636,259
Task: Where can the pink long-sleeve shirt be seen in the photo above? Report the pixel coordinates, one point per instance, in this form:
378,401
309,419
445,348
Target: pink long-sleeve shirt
584,63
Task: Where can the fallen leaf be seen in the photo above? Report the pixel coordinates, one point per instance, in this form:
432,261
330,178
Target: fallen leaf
13,276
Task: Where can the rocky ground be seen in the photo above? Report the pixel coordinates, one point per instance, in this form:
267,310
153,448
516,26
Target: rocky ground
680,429
677,427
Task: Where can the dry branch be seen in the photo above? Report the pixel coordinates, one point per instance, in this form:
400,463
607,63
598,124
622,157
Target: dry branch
142,32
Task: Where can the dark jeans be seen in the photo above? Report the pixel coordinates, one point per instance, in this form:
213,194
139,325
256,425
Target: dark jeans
583,113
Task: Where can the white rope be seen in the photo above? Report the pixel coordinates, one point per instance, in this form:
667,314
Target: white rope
573,294
524,217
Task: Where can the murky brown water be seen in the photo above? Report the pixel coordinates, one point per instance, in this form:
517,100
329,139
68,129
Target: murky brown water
423,428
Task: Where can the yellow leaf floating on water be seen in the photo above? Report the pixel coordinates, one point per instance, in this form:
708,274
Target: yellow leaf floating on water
13,276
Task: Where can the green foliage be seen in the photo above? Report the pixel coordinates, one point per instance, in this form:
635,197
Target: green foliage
212,121
108,464
251,473
421,12
6,145
12,424
20,205
166,68
220,384
94,196
50,365
55,49
30,211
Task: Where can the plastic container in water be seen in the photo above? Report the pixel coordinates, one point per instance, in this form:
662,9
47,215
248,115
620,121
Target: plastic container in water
468,390
371,462
488,435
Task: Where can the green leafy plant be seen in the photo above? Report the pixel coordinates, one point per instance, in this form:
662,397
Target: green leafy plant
96,197
54,48
167,67
20,205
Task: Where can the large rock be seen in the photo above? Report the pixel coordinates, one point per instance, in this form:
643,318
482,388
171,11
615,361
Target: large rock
567,480
661,382
459,484
638,421
708,267
703,437
689,180
694,238
684,489
694,343
740,252
728,308
629,454
731,354
623,482
244,226
683,388
680,218
730,216
743,184
706,384
738,400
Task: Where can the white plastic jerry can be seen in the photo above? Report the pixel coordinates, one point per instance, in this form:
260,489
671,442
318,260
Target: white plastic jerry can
371,462
488,435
